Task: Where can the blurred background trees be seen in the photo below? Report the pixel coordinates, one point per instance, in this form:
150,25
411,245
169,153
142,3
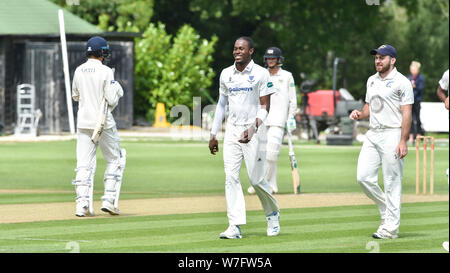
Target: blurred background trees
186,43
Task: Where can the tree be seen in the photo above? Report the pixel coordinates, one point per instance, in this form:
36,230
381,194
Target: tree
114,15
310,33
421,31
169,70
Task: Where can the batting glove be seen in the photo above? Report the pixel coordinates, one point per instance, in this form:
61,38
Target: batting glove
291,124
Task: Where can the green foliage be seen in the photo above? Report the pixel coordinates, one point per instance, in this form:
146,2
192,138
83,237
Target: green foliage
169,70
113,15
421,33
310,33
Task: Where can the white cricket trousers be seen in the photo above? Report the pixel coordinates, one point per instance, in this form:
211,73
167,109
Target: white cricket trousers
109,143
274,140
379,150
254,155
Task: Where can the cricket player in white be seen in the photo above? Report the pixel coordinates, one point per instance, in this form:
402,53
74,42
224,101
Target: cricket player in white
246,88
442,93
283,104
442,90
389,100
92,81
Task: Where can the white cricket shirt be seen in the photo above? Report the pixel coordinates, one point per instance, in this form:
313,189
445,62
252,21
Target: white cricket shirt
385,96
444,81
283,103
92,81
243,90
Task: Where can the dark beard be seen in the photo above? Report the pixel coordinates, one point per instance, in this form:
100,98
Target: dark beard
385,69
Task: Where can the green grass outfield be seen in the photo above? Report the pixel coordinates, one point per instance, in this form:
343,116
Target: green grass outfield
345,229
165,169
173,169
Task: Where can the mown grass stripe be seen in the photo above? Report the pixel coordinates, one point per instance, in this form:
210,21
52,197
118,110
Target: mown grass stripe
178,227
331,229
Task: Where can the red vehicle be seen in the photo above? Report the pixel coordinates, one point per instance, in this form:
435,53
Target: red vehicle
322,109
321,103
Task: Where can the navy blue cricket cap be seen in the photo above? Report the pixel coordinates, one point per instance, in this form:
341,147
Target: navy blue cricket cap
385,50
96,43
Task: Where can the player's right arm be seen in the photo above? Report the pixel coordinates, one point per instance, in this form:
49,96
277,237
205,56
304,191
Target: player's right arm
441,95
219,115
443,89
364,113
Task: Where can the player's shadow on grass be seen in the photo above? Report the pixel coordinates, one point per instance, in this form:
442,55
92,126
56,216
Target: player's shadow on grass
262,234
403,235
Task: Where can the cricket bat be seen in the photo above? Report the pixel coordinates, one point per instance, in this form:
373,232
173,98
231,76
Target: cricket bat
100,122
294,167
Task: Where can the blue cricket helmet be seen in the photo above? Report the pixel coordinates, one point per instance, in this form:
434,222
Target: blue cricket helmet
97,46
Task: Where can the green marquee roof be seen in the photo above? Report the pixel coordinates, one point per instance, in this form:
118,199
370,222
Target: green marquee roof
39,17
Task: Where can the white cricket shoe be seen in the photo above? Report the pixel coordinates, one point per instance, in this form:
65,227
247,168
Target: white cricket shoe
109,208
251,190
273,224
445,245
384,234
232,232
81,210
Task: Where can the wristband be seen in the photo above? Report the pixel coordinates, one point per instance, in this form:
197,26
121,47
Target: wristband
262,114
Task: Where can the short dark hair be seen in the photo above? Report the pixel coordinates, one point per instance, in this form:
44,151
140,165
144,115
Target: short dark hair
97,54
248,40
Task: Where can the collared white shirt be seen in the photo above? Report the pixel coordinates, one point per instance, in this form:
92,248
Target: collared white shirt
443,82
92,81
243,90
283,103
385,96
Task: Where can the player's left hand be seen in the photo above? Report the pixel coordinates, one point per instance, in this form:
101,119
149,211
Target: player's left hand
402,149
247,134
